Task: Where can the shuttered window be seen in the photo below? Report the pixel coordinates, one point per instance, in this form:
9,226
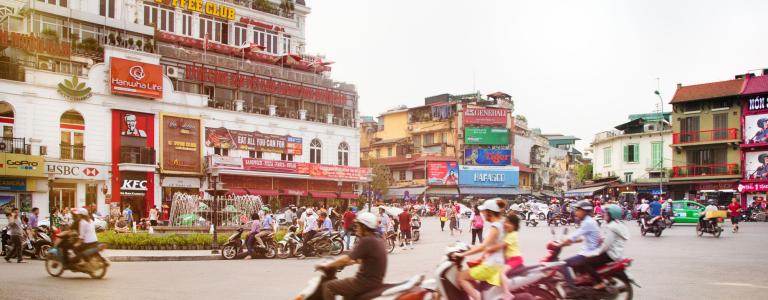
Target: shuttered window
656,155
632,153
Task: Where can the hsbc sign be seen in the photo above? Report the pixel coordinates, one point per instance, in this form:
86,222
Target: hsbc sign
65,170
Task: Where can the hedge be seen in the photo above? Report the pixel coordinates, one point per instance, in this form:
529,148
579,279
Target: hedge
147,241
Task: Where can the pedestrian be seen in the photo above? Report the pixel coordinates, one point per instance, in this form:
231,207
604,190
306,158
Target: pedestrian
477,225
33,218
290,215
443,214
735,209
310,229
348,221
453,220
66,217
128,215
457,209
153,214
16,233
405,229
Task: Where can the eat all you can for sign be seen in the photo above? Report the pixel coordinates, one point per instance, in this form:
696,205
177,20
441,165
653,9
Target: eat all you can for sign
180,137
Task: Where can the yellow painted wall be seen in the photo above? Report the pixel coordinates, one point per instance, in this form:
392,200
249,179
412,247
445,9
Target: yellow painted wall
395,126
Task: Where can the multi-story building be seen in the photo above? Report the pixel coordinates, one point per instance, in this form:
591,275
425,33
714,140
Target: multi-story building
131,102
754,183
637,153
706,160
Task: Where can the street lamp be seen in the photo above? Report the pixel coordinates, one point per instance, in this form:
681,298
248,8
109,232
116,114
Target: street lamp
661,137
215,217
51,177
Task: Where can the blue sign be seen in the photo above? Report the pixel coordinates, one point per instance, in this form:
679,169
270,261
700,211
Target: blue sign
13,184
489,157
503,176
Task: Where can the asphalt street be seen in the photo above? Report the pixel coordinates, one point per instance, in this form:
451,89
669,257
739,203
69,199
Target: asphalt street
677,265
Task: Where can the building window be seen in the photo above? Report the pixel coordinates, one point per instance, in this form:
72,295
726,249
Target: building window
266,38
6,119
429,139
691,107
418,174
720,125
286,44
107,8
255,154
72,128
315,151
214,30
689,129
417,141
186,24
656,155
378,153
402,175
628,177
343,154
240,35
288,157
161,18
631,153
221,151
607,156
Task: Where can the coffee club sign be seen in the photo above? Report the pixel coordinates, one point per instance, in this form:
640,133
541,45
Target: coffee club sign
203,7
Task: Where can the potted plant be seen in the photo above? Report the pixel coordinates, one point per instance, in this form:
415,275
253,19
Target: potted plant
49,34
130,43
119,40
139,44
112,39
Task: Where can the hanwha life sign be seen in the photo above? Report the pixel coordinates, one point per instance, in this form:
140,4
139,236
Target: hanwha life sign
135,78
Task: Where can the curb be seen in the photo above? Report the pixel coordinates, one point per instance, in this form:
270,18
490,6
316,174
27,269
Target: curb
163,258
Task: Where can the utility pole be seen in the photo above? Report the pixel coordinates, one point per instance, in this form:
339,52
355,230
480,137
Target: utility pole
661,138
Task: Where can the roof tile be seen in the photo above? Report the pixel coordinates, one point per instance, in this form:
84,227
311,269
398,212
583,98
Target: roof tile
756,85
708,91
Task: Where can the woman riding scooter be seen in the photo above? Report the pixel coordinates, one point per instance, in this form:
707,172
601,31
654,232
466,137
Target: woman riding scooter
612,247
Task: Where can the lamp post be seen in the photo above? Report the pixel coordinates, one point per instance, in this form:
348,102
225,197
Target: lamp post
51,177
661,138
215,217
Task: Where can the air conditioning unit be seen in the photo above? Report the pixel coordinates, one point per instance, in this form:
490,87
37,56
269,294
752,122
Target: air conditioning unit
6,145
174,72
44,65
611,173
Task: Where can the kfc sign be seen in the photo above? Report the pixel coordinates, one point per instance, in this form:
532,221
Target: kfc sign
136,78
134,185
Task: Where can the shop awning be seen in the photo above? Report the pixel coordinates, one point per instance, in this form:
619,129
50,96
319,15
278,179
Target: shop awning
443,191
323,195
264,192
489,191
400,192
293,192
348,196
551,194
584,192
237,192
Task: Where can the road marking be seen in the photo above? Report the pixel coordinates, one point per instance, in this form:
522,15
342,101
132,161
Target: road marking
749,285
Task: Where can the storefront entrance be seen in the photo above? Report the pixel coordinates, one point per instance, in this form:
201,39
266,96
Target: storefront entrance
65,195
137,201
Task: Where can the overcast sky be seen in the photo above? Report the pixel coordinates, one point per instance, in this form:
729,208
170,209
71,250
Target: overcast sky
572,67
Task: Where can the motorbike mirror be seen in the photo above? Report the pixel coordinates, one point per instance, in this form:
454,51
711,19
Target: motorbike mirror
565,231
552,230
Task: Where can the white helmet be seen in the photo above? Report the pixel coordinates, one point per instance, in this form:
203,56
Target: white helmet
310,211
491,205
81,211
368,220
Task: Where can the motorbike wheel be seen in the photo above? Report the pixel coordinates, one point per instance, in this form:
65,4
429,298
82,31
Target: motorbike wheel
284,251
643,231
542,217
390,245
717,232
699,230
623,287
337,247
229,252
657,233
416,236
54,267
271,251
101,271
539,293
42,252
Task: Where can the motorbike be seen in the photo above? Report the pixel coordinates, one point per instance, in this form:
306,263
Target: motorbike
90,261
415,225
710,226
337,243
522,280
653,225
36,246
391,238
291,242
557,219
408,289
531,222
319,245
235,246
618,283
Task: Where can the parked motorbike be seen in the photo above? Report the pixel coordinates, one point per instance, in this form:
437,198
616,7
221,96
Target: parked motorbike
531,222
291,242
36,246
90,261
415,228
655,225
319,245
409,289
710,226
557,219
235,246
337,243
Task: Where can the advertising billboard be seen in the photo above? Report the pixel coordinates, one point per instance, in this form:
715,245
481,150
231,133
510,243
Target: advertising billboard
487,176
180,149
252,141
442,173
135,78
756,165
756,129
485,116
490,157
486,136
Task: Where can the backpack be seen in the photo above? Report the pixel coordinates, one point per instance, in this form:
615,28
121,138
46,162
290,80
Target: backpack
477,222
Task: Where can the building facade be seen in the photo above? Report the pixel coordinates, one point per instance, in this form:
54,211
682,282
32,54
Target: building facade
754,183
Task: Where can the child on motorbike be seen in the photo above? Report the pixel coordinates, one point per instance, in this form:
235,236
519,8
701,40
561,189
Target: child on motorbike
493,262
512,257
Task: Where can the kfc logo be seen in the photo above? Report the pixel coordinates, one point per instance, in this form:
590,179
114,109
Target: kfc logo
137,72
131,184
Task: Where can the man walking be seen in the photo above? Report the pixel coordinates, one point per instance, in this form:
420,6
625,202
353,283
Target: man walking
348,220
405,229
16,233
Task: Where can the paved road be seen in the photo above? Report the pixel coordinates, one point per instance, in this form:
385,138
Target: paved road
677,265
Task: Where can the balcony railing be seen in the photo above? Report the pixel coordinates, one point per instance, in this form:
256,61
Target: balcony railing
73,152
14,145
720,134
706,170
137,155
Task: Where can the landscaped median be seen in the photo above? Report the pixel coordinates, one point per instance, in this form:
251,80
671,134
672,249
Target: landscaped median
172,241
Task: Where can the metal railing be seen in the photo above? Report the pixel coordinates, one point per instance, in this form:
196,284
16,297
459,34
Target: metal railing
137,155
719,134
226,211
706,170
15,145
73,152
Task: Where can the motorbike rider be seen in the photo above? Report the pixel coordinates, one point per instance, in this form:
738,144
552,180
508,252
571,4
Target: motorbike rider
654,209
643,210
370,253
267,227
612,247
386,223
703,214
325,223
86,231
255,227
310,229
589,233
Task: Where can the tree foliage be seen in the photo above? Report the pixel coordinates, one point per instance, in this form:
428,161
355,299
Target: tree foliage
583,172
381,177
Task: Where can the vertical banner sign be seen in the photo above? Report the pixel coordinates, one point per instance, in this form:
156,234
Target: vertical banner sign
180,142
135,78
756,165
485,116
442,173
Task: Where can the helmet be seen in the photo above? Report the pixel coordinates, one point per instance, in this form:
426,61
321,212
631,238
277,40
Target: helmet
584,205
310,211
265,209
711,201
491,205
368,220
645,201
614,211
81,211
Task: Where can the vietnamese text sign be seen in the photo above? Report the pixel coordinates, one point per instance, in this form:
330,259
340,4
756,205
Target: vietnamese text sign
266,165
502,176
442,172
753,187
180,138
493,157
135,78
485,116
335,172
35,44
486,136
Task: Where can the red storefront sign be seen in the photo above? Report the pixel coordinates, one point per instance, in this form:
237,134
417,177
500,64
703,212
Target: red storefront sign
136,78
485,116
753,187
252,141
34,44
263,85
265,165
334,172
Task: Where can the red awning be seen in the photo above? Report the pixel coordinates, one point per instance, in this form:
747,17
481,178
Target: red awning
291,192
327,195
237,192
264,192
348,196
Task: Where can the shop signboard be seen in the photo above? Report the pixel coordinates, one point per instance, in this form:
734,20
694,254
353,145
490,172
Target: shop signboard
485,116
73,170
757,104
334,172
293,145
756,129
487,176
266,165
180,150
21,165
715,186
442,173
136,78
753,187
180,182
13,184
35,44
225,162
756,165
491,157
486,136
251,141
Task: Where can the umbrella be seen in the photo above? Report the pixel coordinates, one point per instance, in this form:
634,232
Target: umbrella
288,59
187,219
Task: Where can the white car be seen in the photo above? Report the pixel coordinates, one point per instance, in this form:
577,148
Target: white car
98,222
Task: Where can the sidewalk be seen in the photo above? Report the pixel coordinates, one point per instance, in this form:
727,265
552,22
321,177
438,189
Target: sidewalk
159,255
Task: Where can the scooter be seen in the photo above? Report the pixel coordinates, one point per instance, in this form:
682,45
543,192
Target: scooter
91,261
531,222
711,227
655,225
337,243
409,289
291,242
235,246
35,246
415,228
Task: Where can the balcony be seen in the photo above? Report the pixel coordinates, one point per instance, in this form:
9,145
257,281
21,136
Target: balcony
15,145
706,170
137,155
705,136
72,152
